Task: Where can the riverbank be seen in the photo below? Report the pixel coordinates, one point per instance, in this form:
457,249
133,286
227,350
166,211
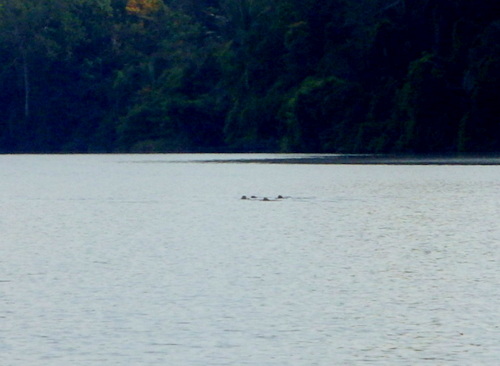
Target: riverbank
372,159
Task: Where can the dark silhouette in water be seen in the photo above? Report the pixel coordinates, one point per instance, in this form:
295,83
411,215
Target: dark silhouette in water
265,199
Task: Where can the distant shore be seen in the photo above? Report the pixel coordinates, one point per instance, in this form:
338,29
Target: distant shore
372,160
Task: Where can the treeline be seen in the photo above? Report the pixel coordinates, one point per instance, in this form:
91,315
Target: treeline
416,76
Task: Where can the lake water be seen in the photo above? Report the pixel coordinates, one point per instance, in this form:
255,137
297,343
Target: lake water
155,260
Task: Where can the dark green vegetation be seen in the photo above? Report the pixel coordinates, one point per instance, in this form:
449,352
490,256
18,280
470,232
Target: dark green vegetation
417,76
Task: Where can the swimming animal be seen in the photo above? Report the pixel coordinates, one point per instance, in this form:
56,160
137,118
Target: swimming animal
265,199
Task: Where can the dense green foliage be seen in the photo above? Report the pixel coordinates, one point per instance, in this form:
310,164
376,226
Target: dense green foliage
249,75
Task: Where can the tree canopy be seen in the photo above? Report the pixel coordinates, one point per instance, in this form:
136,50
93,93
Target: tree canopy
249,75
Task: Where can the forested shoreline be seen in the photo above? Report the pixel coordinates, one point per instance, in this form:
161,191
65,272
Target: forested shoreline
342,76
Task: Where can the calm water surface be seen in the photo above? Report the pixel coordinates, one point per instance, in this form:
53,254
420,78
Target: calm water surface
155,260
